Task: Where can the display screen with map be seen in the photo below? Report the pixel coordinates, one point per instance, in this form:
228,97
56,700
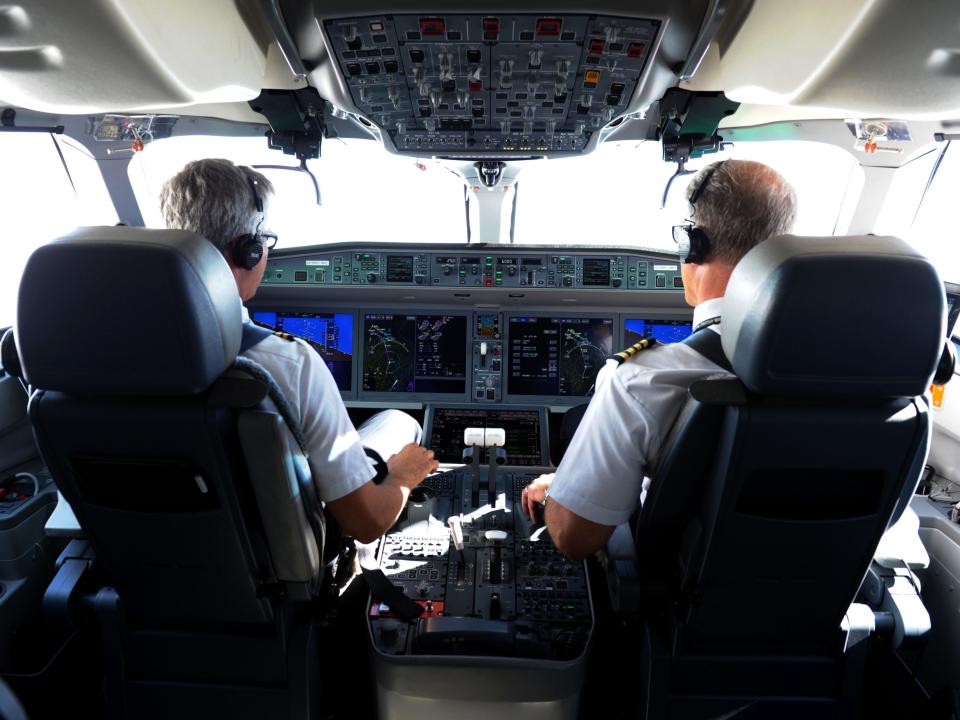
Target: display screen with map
665,331
557,356
415,353
330,334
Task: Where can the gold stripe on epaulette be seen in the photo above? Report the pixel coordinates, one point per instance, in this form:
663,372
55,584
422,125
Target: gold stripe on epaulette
284,335
624,355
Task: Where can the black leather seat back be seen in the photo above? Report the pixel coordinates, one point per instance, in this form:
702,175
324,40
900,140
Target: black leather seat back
773,491
793,510
126,336
160,491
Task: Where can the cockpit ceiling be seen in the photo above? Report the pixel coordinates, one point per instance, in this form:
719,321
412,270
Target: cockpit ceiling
780,59
826,58
68,57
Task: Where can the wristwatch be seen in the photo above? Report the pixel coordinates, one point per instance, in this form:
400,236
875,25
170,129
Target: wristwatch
546,497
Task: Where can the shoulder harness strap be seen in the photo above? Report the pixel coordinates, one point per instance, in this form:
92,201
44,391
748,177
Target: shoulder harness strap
708,344
253,335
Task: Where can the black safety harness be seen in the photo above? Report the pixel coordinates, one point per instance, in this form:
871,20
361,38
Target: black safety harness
709,344
379,584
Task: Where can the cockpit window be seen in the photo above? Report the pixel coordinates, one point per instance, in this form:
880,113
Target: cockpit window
934,229
613,196
367,194
41,201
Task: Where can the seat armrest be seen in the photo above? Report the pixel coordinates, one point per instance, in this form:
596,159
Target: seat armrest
901,546
619,562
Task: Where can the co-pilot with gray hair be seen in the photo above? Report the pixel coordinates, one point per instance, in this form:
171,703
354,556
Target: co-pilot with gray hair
227,204
734,205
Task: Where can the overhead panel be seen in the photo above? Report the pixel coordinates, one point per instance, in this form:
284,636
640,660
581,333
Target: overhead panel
497,84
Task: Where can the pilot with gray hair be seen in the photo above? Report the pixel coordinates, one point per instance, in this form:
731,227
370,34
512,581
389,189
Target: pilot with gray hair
602,479
227,204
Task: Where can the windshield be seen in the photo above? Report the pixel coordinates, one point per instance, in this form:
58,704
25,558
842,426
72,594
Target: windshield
613,196
610,197
49,185
367,194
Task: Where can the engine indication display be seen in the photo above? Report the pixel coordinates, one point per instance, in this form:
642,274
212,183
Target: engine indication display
523,431
557,356
414,353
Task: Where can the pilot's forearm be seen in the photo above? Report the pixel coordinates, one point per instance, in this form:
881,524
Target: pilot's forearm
575,536
369,511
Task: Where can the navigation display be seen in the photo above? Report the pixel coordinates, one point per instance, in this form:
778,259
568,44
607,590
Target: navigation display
522,428
415,353
330,334
665,331
557,356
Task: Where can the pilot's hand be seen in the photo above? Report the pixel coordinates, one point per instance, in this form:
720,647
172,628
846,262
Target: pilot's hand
533,495
411,465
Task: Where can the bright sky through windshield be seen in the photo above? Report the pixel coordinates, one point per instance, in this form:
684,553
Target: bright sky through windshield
368,195
610,197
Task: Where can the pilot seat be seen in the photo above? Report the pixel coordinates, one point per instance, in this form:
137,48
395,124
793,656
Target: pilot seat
184,471
775,486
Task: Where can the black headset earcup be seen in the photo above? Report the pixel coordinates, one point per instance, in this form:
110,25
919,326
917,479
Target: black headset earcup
247,251
947,364
699,246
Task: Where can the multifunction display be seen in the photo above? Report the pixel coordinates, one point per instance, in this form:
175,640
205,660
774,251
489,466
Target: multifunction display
399,268
414,353
523,431
556,355
596,272
665,331
330,334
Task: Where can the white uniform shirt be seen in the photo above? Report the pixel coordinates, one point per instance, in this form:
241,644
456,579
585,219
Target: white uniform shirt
602,475
337,459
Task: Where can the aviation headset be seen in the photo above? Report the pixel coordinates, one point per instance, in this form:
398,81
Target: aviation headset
248,249
692,242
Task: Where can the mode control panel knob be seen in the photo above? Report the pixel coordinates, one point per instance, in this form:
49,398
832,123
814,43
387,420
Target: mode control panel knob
567,281
617,282
371,278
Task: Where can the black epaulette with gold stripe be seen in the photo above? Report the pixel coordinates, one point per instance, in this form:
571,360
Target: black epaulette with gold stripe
624,355
284,335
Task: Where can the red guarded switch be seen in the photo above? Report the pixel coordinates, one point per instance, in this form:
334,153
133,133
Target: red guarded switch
432,26
548,27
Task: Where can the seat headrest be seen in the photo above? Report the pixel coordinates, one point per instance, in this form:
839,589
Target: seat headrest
858,316
127,311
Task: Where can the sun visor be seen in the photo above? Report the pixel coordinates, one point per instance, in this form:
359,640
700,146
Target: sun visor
69,57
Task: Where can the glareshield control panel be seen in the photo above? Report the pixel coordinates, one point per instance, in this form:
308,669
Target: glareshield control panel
471,269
